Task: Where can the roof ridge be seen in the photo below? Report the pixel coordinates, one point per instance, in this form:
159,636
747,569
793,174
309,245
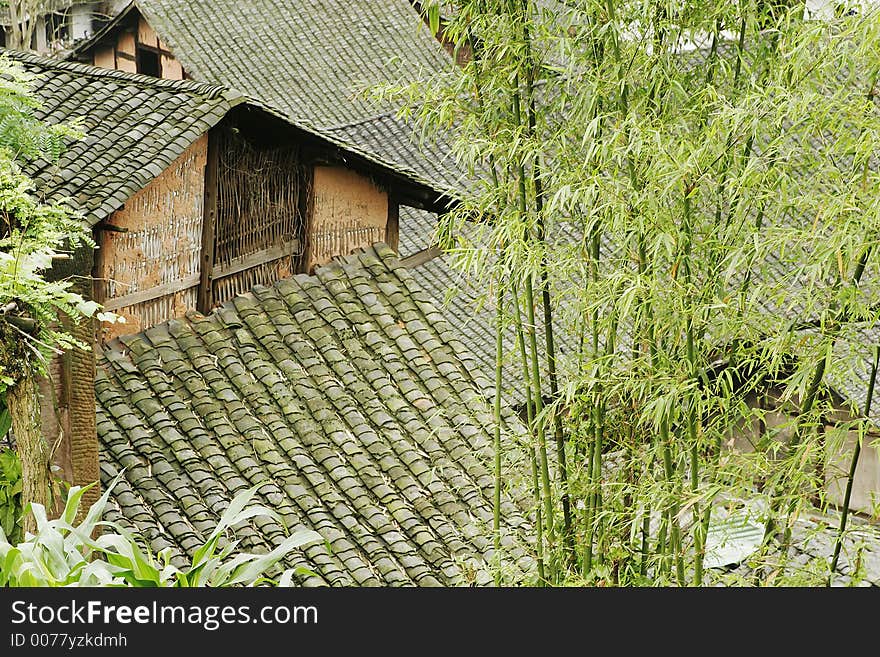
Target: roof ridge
213,91
171,21
366,119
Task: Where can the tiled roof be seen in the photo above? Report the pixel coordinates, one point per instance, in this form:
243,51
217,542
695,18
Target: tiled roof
417,229
135,127
430,162
475,315
347,397
311,61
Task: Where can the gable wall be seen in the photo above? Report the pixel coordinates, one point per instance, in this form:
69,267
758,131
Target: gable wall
123,54
150,273
347,210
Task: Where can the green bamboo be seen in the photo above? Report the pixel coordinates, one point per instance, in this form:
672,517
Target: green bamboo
499,366
594,479
699,535
645,531
530,417
807,406
819,371
552,379
538,404
539,523
644,549
598,509
533,343
499,369
590,511
672,508
692,356
662,546
854,463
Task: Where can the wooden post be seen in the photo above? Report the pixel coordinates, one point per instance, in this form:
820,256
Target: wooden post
209,221
307,206
392,228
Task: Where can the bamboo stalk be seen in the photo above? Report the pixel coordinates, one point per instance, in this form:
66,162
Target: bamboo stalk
854,463
522,200
530,417
645,531
539,526
531,132
594,504
589,511
672,508
692,358
593,480
499,363
538,405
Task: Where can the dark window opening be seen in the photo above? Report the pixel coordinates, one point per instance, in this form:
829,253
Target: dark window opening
148,63
58,27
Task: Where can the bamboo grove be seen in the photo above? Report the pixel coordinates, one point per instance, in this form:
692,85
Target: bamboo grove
685,195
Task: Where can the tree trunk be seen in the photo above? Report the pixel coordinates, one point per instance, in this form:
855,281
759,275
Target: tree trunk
80,393
23,401
78,381
14,35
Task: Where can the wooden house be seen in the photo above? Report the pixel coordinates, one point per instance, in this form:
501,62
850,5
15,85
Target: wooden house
160,157
195,195
309,63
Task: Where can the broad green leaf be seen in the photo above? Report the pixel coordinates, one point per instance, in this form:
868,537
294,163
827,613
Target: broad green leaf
261,563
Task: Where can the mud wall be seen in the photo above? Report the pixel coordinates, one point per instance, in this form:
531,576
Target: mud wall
348,212
150,272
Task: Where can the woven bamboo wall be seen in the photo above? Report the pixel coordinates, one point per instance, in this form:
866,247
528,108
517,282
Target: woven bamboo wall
261,194
160,249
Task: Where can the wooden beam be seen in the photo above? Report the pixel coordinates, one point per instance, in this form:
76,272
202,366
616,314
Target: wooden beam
256,259
166,289
209,220
308,221
392,228
420,258
173,287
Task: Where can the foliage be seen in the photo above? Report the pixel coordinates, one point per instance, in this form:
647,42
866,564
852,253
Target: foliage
11,499
21,133
61,553
33,304
5,419
33,235
714,166
10,494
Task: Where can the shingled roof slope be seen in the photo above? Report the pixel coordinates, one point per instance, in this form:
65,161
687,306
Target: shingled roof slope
346,397
135,127
310,62
465,300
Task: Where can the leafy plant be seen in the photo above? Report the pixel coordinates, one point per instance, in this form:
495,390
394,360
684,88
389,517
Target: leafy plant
10,494
61,553
689,190
33,306
5,419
